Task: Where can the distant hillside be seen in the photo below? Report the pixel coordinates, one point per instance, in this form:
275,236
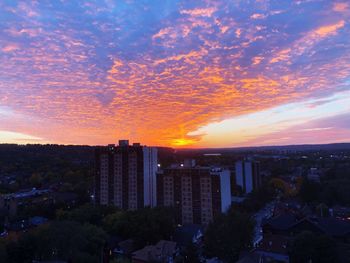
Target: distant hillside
304,147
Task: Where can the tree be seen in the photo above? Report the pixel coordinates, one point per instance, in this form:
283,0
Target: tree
119,223
86,213
36,180
145,226
227,235
309,191
256,199
60,241
280,186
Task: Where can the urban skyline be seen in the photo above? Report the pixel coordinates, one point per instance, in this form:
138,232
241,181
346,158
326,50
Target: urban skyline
175,73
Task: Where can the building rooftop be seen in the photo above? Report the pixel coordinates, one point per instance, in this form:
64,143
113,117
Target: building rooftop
161,251
328,225
333,226
281,222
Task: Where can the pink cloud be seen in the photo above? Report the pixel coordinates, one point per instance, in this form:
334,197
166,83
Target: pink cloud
208,12
258,16
10,48
340,7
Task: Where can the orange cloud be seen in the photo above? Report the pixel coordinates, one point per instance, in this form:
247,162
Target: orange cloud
329,29
78,82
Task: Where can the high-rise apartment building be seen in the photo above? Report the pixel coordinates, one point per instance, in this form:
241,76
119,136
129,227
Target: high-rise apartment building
126,175
248,175
198,194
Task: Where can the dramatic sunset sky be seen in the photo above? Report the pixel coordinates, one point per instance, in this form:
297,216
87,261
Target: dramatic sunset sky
175,73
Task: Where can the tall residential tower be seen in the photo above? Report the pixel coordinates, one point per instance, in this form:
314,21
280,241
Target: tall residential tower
248,175
126,175
198,194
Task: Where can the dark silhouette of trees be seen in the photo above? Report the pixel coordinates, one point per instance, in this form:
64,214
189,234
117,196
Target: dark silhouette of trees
227,235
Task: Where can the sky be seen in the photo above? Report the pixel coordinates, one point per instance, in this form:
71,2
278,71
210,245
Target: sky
175,73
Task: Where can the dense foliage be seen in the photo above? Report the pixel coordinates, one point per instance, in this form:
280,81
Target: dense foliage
228,235
333,189
42,166
66,240
146,226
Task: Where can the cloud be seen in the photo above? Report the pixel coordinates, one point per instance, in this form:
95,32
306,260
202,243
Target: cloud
158,73
340,7
317,132
308,41
329,29
10,48
258,16
316,129
20,138
207,12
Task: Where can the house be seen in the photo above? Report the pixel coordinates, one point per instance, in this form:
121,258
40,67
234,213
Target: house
337,228
289,225
279,225
163,252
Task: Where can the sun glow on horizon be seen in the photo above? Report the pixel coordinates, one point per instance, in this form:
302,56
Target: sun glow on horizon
178,73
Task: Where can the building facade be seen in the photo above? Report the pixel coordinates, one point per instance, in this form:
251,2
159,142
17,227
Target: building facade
198,194
126,175
248,175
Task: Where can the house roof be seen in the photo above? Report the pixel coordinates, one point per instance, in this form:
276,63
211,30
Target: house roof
333,226
329,225
281,222
162,250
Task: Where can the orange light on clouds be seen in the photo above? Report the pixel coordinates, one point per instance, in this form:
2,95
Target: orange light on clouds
167,73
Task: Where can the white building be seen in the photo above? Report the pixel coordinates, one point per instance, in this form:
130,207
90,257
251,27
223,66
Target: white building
248,175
